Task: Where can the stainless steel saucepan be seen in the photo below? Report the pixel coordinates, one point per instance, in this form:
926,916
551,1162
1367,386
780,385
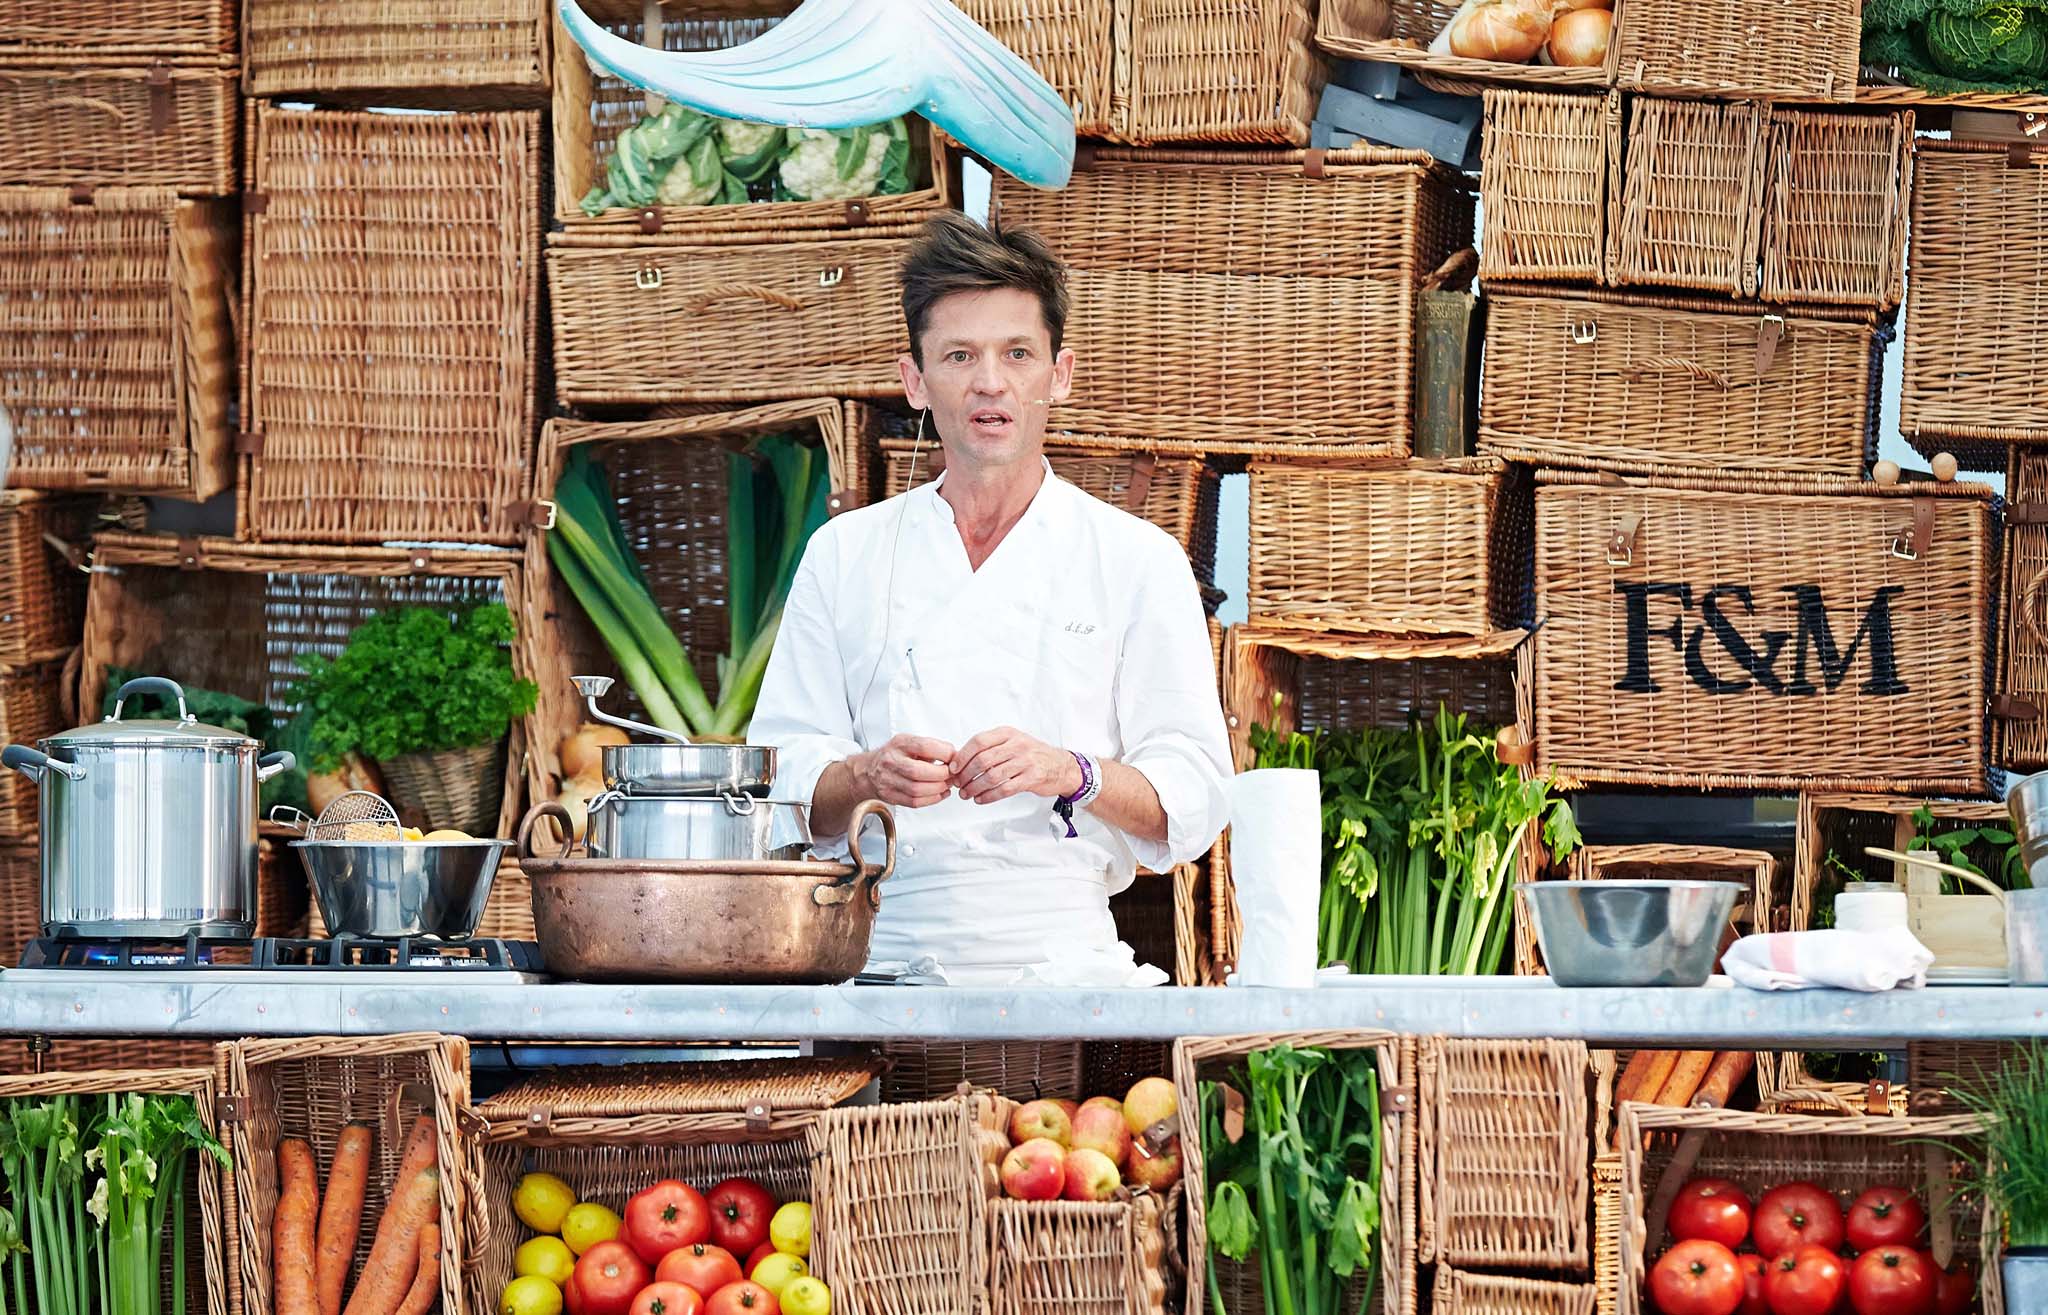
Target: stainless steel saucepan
676,766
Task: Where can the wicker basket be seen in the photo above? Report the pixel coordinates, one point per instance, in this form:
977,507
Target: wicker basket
1842,826
1505,1133
451,789
1622,697
42,594
124,376
452,53
1428,548
207,1252
1221,71
1551,160
610,1132
1969,374
1759,1151
391,424
1156,918
1400,31
1459,1293
1835,207
1205,1059
1073,44
791,314
29,710
669,476
1187,266
1633,383
2019,721
590,111
86,123
1077,1257
1755,870
1015,1070
1791,50
1932,1066
311,1087
191,607
36,29
21,1056
1690,204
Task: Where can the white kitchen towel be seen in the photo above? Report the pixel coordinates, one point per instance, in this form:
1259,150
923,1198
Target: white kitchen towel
1276,868
1851,960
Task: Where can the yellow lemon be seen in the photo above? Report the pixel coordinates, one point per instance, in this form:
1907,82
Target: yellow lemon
778,1271
806,1296
540,1201
545,1257
530,1294
588,1224
445,833
790,1229
410,832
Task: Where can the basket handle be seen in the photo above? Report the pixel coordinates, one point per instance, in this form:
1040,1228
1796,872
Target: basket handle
105,107
2030,606
1666,365
735,291
562,820
1458,267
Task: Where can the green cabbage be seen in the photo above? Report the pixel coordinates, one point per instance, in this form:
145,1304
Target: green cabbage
2002,43
1951,46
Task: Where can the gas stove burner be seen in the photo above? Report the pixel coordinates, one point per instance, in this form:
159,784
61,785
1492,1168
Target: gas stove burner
297,955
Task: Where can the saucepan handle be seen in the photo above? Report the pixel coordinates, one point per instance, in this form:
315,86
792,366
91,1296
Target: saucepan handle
874,876
286,815
32,763
273,764
562,820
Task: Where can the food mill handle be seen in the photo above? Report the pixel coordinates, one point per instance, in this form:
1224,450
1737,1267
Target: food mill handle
873,808
1922,861
561,817
161,684
593,688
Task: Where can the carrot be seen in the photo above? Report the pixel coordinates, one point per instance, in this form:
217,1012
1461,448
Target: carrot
291,1238
419,1154
394,1257
341,1214
1729,1069
426,1285
1685,1077
1661,1064
1629,1085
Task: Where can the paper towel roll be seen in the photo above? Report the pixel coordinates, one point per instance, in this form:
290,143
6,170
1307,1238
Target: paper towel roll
1870,910
1276,868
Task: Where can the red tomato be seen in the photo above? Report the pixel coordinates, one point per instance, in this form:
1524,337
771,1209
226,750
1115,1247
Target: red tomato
659,1298
743,1299
1752,1266
1954,1288
1885,1217
1807,1281
1796,1215
572,1296
1712,1208
1891,1281
609,1275
665,1216
1698,1277
740,1211
757,1255
705,1267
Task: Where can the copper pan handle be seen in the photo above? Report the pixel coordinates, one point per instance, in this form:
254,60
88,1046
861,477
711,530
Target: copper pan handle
562,820
874,876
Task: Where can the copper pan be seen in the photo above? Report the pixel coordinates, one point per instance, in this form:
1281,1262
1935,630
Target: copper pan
643,920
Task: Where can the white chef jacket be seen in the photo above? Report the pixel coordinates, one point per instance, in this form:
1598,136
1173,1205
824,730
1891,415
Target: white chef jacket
1084,629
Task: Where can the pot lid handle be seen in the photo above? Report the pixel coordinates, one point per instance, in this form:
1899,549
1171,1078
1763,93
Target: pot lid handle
159,684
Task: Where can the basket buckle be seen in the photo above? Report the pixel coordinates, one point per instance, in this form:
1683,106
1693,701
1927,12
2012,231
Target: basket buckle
830,278
1902,546
1621,545
647,278
1585,331
2033,123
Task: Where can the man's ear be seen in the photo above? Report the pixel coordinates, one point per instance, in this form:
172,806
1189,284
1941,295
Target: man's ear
1063,374
913,382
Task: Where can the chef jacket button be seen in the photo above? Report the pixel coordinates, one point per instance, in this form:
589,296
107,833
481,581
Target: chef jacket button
909,850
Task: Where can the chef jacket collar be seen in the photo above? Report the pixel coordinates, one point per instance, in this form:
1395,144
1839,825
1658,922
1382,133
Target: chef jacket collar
933,504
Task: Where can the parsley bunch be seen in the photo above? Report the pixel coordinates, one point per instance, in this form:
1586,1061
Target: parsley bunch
414,681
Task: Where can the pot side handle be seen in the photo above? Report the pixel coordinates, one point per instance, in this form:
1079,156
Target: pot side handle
32,764
272,764
874,876
563,822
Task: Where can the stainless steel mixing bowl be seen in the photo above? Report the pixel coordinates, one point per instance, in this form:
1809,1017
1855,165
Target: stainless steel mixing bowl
1630,933
402,887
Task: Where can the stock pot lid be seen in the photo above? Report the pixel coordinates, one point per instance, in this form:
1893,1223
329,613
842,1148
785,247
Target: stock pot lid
158,734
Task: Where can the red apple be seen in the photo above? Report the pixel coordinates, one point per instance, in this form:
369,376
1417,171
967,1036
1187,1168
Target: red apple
1101,1128
1109,1102
1157,1171
1091,1176
1036,1170
1147,1105
1069,1108
1041,1118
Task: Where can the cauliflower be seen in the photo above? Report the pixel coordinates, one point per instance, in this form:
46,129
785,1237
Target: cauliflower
696,179
670,157
751,150
848,163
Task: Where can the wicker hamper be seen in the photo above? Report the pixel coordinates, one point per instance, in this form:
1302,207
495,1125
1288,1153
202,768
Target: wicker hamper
1077,1257
1741,634
1689,206
788,314
1210,1059
1073,44
1429,548
311,1087
1460,1293
1219,71
30,708
591,110
1187,267
436,53
123,376
669,477
412,418
1759,1151
1551,160
1834,213
1586,379
2019,712
34,29
42,591
1786,50
1400,32
83,122
235,617
1972,323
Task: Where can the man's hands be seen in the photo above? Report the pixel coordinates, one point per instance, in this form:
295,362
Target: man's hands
914,771
998,764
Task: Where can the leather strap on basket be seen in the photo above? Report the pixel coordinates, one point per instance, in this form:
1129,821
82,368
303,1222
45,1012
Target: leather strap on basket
158,81
191,557
1143,466
1915,539
697,305
1621,545
1513,748
2014,707
2026,512
1313,162
840,500
1770,331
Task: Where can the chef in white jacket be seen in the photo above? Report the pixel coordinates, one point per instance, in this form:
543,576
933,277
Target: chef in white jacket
1022,671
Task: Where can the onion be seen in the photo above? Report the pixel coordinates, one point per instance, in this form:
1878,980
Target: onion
355,773
1509,31
581,749
575,796
1566,6
1579,39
